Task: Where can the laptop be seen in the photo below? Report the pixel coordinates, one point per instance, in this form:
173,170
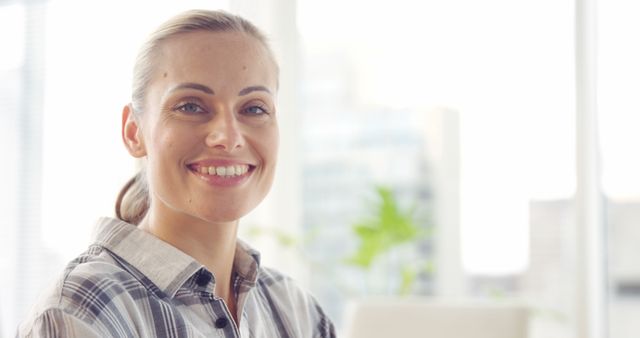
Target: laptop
420,318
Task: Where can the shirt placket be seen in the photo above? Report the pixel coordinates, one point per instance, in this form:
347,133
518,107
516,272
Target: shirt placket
224,324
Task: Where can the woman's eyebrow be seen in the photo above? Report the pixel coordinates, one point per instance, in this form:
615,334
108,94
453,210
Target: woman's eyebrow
250,89
193,85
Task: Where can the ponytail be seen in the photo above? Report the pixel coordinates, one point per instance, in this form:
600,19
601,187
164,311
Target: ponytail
133,200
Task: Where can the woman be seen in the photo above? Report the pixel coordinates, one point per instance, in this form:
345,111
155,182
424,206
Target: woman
204,120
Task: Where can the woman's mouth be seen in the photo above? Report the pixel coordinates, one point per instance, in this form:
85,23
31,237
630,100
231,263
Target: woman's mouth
222,171
228,175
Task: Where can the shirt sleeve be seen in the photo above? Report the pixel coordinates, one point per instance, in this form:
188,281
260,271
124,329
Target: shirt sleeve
57,323
324,327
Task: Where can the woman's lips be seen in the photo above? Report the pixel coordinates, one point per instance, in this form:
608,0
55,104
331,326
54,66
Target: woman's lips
222,175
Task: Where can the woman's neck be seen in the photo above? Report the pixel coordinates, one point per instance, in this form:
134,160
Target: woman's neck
211,244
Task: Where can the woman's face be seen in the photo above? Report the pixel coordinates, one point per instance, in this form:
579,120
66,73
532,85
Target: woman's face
209,127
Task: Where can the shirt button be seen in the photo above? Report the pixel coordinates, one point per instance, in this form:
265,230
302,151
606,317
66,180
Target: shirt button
203,279
221,322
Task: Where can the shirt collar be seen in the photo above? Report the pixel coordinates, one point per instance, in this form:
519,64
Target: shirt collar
246,262
165,265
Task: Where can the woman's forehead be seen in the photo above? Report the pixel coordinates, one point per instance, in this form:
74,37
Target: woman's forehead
214,52
219,60
213,47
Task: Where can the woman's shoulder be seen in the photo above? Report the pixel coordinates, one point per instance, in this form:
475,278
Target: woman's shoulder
281,286
96,271
90,272
286,297
85,288
271,276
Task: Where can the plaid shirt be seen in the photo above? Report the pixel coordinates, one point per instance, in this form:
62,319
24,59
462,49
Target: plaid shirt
131,284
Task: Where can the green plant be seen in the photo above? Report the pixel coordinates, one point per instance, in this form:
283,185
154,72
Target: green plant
386,229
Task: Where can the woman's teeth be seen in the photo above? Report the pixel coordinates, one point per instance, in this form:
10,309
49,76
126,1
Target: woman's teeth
228,171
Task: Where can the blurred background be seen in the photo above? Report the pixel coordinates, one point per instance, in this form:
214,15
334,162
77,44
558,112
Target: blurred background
436,150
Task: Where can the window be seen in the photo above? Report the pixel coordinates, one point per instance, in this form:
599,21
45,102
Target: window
464,108
618,85
12,19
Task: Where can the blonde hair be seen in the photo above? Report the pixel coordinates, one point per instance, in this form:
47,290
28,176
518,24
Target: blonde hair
133,200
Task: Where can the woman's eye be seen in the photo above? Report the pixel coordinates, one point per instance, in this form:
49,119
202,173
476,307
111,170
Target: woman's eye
190,108
255,110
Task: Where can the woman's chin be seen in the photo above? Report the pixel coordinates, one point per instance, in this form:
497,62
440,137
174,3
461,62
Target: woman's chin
221,216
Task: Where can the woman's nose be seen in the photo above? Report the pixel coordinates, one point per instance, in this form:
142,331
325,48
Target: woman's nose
224,132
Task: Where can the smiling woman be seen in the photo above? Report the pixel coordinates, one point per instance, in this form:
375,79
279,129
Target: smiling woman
203,120
200,113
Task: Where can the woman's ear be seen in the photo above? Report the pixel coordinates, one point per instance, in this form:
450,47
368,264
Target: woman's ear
132,133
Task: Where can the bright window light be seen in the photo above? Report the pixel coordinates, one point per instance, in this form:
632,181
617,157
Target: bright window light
511,79
12,37
619,85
